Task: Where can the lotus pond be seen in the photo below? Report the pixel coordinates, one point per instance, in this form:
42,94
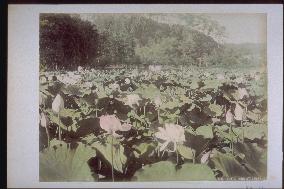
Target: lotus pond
171,124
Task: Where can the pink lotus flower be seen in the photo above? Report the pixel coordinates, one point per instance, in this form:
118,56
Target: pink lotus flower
111,124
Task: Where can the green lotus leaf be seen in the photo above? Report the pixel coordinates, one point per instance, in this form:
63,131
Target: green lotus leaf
185,151
166,171
205,131
142,149
119,158
213,110
252,131
229,166
62,164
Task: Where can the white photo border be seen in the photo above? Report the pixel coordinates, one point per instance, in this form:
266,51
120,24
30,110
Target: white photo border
23,87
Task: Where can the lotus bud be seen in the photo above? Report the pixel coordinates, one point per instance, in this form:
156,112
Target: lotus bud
229,117
257,77
58,104
43,120
127,81
158,101
80,69
40,100
238,112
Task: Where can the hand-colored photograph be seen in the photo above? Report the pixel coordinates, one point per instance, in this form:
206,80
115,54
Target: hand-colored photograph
133,97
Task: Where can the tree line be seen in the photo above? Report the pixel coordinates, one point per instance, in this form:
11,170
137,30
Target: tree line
70,40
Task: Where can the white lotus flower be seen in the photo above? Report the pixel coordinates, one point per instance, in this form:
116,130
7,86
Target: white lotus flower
127,81
158,101
206,74
70,74
215,120
114,86
58,104
110,123
43,120
257,77
229,117
171,133
132,99
238,112
43,79
88,84
155,68
69,79
239,79
242,93
134,73
50,77
220,76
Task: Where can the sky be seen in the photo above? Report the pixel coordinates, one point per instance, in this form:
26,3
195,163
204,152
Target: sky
243,28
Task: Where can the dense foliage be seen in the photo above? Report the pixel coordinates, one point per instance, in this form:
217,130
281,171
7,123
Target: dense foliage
101,40
66,42
143,125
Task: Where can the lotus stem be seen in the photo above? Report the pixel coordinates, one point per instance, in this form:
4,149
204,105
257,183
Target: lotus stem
48,137
163,153
177,156
59,128
100,164
243,132
96,108
112,175
158,114
231,134
144,110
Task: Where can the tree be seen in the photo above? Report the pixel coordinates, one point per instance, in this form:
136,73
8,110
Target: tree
164,52
66,41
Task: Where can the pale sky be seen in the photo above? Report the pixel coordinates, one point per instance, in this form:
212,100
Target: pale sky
243,28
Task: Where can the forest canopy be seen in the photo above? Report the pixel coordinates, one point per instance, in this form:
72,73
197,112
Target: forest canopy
98,40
